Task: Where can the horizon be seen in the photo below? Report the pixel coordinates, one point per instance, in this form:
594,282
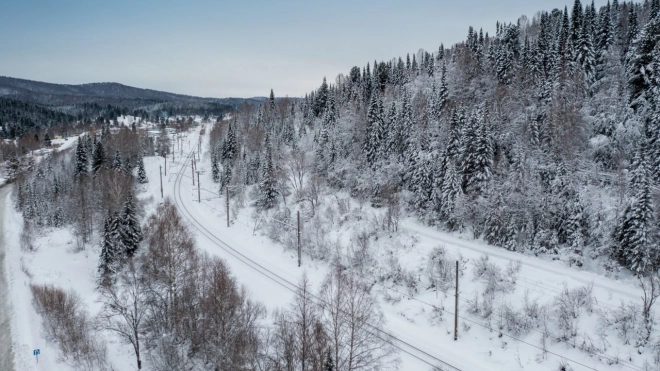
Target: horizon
233,50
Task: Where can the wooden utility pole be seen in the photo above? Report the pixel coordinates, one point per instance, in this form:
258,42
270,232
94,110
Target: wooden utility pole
456,307
199,192
227,197
192,170
299,249
160,170
165,163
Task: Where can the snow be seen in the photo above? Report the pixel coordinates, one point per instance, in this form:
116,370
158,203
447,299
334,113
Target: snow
269,271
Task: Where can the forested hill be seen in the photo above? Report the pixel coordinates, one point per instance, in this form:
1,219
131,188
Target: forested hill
27,106
101,93
543,138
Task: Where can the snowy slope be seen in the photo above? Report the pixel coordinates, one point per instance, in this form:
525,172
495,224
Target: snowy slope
266,268
420,321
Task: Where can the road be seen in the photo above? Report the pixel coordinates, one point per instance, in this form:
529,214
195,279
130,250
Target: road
6,356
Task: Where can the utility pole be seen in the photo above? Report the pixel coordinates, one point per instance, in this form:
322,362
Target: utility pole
299,249
165,163
199,192
192,170
160,170
227,197
456,307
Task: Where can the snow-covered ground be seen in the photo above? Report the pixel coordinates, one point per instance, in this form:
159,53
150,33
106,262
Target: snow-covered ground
6,355
421,320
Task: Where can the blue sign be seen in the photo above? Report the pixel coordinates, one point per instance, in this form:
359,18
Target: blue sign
36,352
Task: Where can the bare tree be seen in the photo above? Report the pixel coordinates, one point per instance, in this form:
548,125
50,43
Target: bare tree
651,287
125,308
297,168
306,321
167,264
353,318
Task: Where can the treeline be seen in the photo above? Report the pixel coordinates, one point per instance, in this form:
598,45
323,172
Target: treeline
82,189
542,138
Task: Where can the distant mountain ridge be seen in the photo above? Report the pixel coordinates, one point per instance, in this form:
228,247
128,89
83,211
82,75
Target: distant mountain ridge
101,92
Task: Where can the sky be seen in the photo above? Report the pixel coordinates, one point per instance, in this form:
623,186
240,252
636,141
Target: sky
240,48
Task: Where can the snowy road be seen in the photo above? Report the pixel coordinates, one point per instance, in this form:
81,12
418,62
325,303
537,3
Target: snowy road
6,357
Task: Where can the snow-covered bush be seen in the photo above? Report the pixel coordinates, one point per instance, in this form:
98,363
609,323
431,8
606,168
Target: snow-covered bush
495,279
567,306
441,270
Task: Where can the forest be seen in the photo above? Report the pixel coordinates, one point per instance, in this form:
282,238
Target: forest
542,139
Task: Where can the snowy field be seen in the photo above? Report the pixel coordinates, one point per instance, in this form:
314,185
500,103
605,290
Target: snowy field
420,319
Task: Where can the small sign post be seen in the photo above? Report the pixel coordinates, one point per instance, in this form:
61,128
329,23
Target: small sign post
36,353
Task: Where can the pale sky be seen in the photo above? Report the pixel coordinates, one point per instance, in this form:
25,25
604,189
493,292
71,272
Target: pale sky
242,48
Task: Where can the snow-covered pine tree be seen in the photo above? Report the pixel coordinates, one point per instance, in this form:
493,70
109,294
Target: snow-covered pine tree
117,163
215,168
636,236
13,168
109,257
81,159
328,364
141,173
640,65
268,187
98,157
131,232
374,132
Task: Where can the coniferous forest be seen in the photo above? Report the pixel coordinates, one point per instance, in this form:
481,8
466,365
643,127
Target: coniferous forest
543,138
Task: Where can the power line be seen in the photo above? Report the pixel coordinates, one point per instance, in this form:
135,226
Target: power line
275,277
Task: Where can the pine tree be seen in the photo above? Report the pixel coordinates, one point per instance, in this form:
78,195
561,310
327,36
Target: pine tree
131,232
443,92
215,168
636,235
374,135
110,254
576,23
267,187
141,173
329,364
117,163
451,189
586,57
641,63
13,169
321,99
98,157
81,159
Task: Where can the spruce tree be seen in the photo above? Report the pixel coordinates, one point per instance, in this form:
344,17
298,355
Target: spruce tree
117,163
374,135
267,187
109,254
13,169
641,63
81,159
215,168
131,232
328,364
141,173
98,157
636,235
